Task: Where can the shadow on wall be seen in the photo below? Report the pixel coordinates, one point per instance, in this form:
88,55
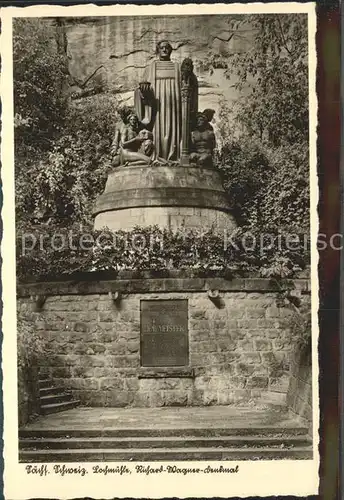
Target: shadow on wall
299,396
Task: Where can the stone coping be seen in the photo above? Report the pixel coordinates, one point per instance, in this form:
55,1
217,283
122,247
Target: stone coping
90,284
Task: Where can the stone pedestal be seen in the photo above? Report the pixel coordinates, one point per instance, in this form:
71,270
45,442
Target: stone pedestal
169,196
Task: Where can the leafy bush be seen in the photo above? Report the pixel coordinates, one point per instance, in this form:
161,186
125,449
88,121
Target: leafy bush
245,171
30,344
300,325
30,348
68,178
62,147
39,76
45,251
269,188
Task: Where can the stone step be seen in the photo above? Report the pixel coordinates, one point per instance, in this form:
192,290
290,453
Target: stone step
277,432
161,454
55,398
57,407
47,391
45,382
158,442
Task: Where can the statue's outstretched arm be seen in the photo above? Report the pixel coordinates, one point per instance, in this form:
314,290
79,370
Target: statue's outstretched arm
144,104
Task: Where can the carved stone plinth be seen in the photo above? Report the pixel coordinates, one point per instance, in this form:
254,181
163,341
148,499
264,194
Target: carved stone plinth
169,196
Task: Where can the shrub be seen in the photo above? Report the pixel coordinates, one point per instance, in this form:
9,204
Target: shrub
57,251
30,348
40,72
300,325
60,186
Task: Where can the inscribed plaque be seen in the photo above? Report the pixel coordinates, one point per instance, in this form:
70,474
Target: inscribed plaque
164,333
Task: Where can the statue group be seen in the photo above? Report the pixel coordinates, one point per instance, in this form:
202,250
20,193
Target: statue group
165,126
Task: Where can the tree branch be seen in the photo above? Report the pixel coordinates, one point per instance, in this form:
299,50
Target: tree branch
283,38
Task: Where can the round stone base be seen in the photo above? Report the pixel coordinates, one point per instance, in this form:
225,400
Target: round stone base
170,196
174,218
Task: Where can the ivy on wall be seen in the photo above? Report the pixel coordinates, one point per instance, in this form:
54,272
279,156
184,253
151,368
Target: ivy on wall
44,251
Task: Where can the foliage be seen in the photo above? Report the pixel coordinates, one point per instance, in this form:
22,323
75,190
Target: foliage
245,170
300,324
269,188
45,251
62,147
263,156
39,75
31,349
286,198
272,75
30,344
69,177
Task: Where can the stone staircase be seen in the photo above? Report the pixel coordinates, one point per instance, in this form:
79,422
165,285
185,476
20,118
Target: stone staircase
163,444
54,399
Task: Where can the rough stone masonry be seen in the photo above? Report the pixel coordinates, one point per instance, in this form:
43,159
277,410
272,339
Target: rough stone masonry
238,348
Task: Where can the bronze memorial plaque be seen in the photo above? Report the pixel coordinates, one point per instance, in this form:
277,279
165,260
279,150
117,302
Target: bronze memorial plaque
164,333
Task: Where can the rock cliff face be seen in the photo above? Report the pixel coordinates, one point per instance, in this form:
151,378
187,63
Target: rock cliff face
112,52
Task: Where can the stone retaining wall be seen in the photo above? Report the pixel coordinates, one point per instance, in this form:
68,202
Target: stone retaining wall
299,396
239,347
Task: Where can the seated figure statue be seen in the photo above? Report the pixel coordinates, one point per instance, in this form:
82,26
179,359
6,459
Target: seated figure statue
138,150
202,142
132,145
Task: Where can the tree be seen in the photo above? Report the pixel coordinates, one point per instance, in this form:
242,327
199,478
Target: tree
264,154
272,75
265,165
62,147
39,75
69,176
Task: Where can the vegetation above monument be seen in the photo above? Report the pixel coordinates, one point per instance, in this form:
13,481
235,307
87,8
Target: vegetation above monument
62,251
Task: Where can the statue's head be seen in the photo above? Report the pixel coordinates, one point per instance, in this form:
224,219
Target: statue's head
209,113
124,113
133,120
187,66
164,50
201,120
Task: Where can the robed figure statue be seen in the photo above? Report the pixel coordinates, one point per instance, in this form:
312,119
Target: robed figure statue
158,103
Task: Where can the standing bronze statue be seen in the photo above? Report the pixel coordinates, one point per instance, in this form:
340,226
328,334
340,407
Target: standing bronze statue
158,102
